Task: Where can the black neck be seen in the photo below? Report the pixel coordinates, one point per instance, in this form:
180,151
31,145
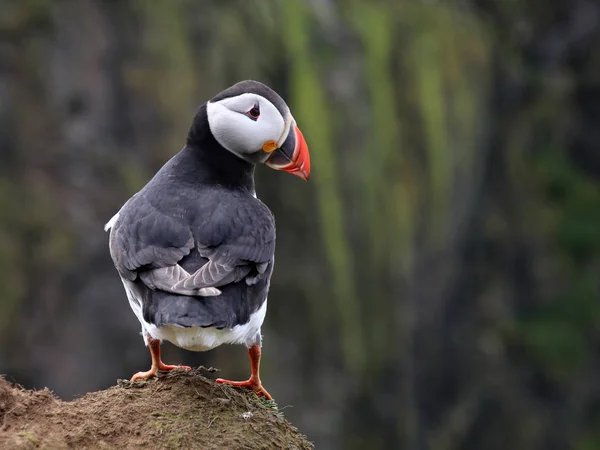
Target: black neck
216,164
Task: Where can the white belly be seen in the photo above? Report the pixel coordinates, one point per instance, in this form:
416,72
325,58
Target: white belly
197,338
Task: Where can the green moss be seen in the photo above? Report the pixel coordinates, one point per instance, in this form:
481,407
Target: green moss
557,345
375,27
590,439
312,112
557,334
30,438
164,71
429,81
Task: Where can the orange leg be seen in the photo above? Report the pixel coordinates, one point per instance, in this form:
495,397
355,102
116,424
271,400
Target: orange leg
157,364
254,381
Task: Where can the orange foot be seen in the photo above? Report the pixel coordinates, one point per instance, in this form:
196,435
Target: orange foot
157,364
154,371
254,385
254,381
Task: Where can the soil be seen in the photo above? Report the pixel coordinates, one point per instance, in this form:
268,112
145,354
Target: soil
179,410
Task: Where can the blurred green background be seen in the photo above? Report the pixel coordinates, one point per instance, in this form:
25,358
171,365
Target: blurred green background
437,280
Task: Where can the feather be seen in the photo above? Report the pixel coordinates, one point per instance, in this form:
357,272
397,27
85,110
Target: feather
225,242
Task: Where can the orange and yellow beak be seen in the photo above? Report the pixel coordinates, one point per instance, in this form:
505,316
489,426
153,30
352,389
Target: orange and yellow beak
292,155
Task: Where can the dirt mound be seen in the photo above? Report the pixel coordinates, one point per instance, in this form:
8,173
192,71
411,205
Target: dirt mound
178,410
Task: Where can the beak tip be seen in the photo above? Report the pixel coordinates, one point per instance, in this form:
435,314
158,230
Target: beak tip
297,160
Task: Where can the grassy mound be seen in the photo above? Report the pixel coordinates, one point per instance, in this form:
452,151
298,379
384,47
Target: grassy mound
177,410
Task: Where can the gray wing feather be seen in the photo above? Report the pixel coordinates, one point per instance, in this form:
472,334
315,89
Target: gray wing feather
169,279
147,243
261,269
215,273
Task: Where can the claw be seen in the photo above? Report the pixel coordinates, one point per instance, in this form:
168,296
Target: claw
168,367
157,364
254,382
144,375
251,384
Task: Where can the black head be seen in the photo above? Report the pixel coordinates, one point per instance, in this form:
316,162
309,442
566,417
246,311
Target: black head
252,121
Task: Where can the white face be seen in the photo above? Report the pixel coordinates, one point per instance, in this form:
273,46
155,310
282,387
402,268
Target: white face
236,126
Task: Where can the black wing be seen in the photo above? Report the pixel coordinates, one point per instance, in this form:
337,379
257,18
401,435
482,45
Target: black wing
233,234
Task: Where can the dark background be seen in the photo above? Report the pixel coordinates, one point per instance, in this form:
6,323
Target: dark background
437,280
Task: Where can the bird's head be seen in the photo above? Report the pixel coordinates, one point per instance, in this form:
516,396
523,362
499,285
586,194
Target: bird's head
252,121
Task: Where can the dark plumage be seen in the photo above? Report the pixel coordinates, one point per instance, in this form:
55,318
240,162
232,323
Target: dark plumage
195,247
187,215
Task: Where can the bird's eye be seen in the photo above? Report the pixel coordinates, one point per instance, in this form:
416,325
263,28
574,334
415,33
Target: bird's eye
254,113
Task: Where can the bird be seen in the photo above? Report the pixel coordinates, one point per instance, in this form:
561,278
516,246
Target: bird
194,248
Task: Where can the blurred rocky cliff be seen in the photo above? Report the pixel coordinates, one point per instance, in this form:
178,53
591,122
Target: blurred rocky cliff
436,283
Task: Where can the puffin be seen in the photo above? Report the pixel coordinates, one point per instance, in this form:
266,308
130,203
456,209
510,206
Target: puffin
194,248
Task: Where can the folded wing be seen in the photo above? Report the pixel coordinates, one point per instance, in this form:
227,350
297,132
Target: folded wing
148,244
